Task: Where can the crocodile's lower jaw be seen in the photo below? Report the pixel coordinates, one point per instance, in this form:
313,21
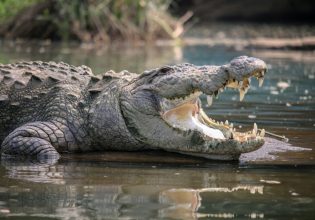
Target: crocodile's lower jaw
189,116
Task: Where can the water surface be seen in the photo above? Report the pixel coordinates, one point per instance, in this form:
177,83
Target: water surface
158,185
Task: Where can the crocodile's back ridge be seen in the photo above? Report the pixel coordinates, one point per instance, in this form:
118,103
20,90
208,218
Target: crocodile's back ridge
28,74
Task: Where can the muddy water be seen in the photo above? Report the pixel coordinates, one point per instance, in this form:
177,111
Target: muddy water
275,183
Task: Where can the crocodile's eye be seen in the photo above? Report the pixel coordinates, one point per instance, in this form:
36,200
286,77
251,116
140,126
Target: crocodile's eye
165,69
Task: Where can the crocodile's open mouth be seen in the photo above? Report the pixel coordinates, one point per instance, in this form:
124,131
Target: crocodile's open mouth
185,114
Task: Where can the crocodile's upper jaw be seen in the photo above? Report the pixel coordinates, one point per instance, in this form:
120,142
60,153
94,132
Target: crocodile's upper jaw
187,114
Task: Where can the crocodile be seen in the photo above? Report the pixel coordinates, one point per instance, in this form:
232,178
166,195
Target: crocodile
52,108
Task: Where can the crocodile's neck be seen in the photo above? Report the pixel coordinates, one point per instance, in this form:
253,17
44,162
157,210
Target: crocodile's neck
109,131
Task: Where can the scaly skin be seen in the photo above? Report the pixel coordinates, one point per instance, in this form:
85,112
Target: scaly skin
51,108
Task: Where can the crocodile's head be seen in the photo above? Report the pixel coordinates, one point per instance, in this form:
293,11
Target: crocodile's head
162,108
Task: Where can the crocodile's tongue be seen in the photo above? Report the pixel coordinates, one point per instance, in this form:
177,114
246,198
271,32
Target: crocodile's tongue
186,117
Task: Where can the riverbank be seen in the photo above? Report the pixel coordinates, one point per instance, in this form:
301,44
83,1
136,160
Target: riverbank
305,43
248,35
237,36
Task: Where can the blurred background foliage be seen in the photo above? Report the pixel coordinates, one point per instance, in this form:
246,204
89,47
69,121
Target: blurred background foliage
88,20
9,8
138,20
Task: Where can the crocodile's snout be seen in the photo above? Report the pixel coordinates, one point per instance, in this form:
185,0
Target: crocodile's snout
245,66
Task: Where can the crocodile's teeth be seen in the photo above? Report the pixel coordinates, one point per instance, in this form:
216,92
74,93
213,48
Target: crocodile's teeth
260,81
226,122
260,74
255,129
229,134
209,99
262,133
231,125
217,94
242,94
246,82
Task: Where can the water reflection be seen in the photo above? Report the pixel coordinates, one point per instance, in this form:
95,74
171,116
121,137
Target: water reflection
117,57
87,189
104,191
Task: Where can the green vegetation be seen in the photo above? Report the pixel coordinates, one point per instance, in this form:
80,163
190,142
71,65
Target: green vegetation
9,8
88,20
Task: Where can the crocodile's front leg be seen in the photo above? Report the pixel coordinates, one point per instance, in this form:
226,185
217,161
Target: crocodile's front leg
40,139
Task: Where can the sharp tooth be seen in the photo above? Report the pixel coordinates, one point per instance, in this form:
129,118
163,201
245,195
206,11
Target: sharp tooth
255,129
221,123
262,72
216,94
262,133
221,89
242,94
226,122
230,134
231,125
209,99
246,82
260,81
